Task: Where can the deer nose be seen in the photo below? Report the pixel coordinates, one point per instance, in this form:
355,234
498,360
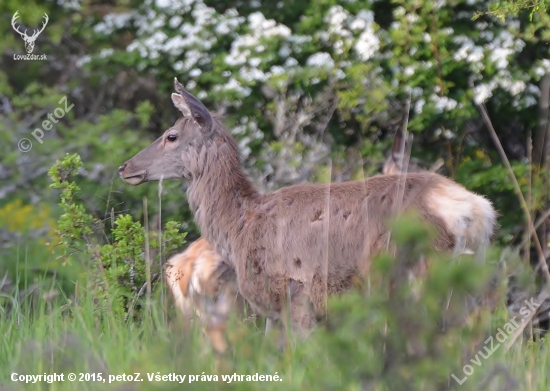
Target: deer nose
121,168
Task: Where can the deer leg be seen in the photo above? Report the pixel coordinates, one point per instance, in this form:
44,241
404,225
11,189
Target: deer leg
217,313
268,325
301,310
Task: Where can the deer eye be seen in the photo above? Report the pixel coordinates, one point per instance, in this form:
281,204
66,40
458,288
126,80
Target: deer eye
172,138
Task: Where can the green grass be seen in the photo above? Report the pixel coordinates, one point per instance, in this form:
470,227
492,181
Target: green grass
78,336
368,342
388,333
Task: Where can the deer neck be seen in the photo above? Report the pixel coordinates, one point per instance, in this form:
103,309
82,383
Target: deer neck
219,194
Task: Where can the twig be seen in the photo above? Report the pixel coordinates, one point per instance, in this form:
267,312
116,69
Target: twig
147,256
538,223
511,382
529,193
492,132
540,137
162,244
458,157
406,156
545,163
138,295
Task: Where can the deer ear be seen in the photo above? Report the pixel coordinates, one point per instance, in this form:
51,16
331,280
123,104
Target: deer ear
398,148
181,105
191,107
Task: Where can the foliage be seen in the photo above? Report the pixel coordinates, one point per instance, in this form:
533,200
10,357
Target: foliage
309,90
123,270
503,9
74,224
328,77
412,331
390,332
312,90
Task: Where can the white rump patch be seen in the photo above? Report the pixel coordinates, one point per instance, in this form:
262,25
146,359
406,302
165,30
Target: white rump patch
468,216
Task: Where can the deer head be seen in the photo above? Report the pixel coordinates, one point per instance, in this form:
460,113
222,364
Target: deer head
398,161
167,157
29,41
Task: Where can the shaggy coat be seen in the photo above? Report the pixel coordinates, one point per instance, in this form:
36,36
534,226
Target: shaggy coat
303,242
202,282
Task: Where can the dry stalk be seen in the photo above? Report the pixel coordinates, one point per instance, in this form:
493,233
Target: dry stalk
521,198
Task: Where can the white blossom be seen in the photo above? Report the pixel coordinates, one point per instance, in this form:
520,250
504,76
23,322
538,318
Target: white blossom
175,21
367,44
542,67
195,72
443,103
468,51
112,22
419,105
70,4
411,18
482,92
503,46
260,28
408,70
277,70
252,74
320,60
106,52
285,51
358,24
234,85
83,60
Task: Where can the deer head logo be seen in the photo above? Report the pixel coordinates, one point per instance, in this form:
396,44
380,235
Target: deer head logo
29,40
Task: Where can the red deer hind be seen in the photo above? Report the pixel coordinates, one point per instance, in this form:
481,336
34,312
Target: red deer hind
298,244
202,282
398,161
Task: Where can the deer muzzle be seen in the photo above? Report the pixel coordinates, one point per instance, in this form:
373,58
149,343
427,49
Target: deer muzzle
130,176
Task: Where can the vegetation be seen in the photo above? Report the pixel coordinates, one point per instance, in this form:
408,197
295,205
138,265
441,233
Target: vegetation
312,90
388,333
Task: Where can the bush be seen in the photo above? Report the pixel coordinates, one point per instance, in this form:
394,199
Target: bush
119,268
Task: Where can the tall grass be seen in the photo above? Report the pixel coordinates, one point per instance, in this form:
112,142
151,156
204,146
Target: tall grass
78,337
376,338
393,331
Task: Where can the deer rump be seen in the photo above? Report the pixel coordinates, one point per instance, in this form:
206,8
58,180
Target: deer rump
311,240
202,282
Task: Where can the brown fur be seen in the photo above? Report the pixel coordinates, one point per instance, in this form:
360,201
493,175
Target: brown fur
202,282
196,273
303,242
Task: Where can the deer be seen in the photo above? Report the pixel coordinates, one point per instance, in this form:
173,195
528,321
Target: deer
29,40
398,162
201,281
294,247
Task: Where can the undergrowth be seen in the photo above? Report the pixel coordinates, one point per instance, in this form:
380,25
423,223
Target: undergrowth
417,322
